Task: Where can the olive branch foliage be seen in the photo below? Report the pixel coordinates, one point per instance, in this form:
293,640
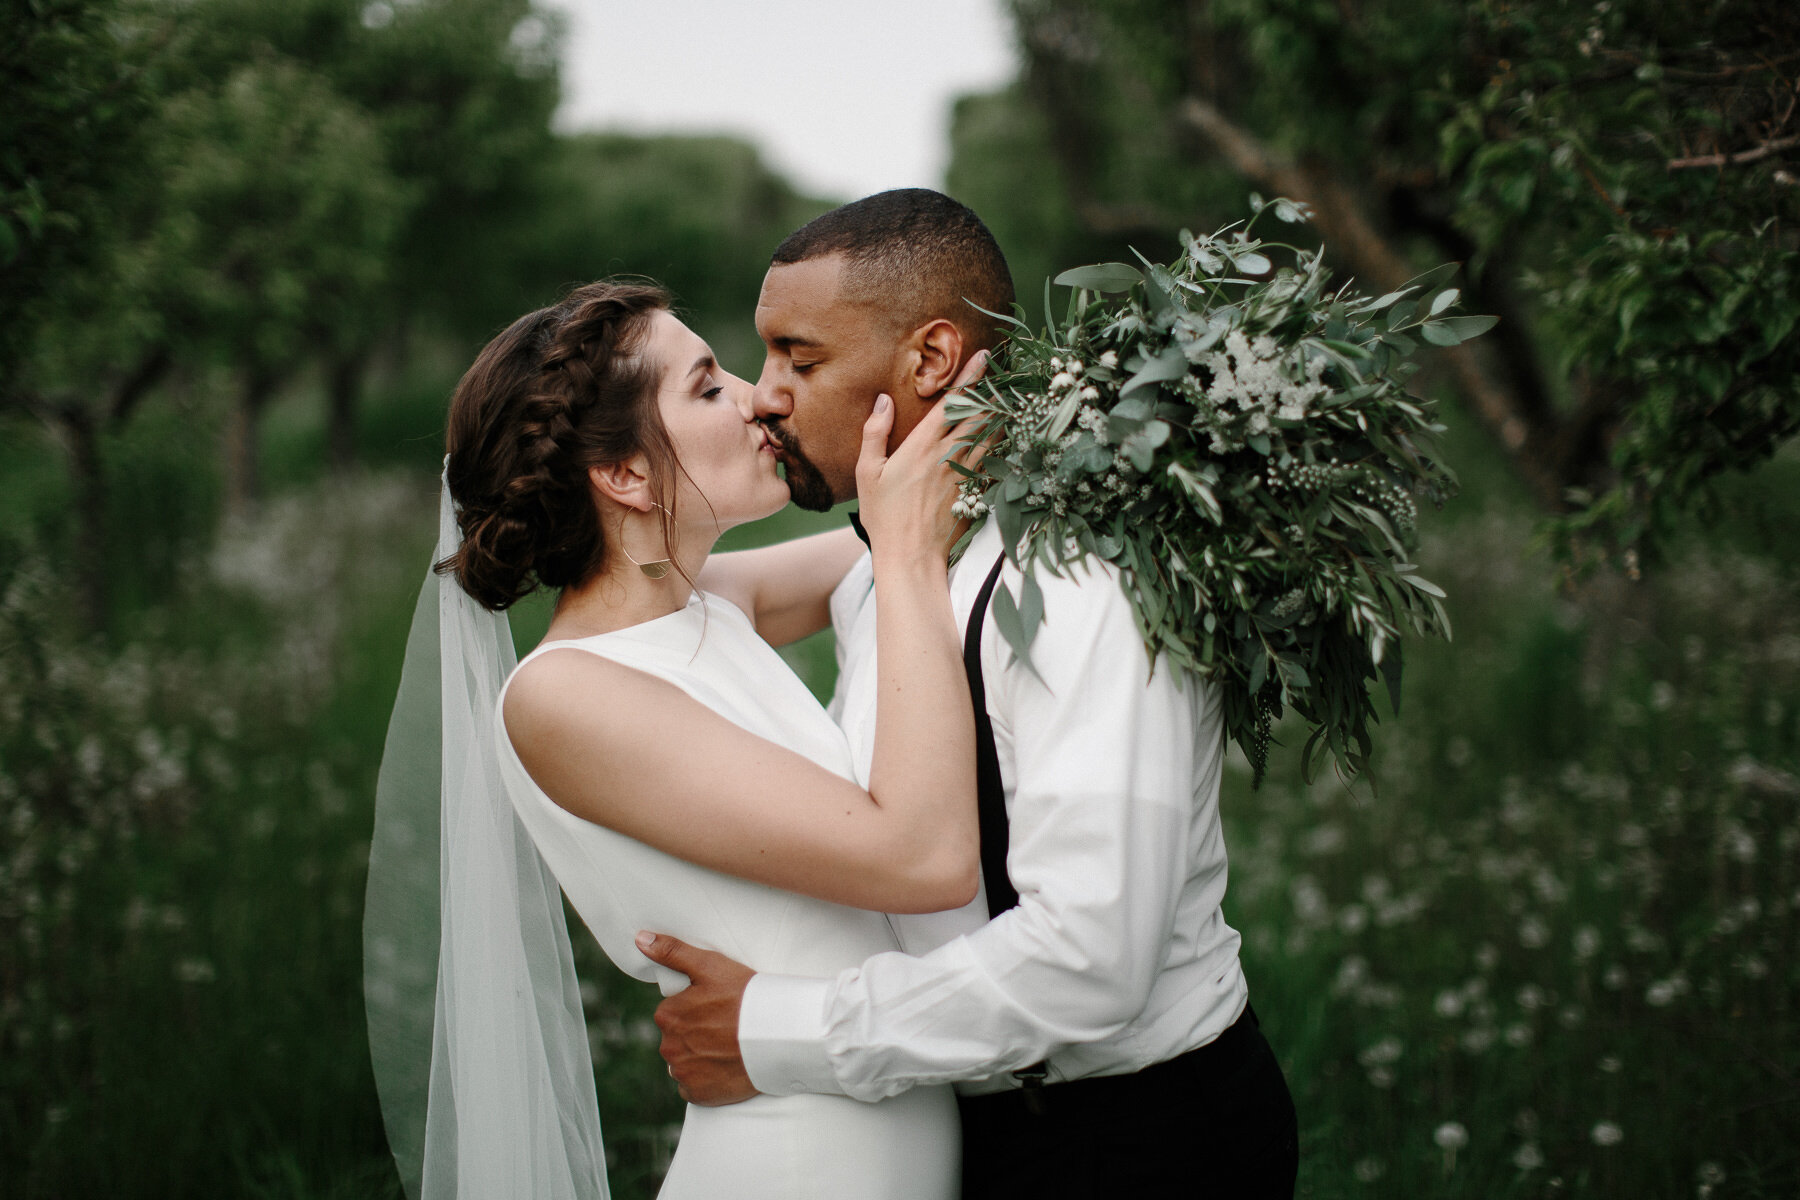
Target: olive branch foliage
1236,439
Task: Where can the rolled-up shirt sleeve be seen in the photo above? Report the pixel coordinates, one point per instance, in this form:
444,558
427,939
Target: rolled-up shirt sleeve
1101,783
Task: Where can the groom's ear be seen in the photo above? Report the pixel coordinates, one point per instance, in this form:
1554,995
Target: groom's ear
936,356
627,482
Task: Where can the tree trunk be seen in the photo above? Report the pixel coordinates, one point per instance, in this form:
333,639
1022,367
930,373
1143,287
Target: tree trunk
345,400
243,482
82,437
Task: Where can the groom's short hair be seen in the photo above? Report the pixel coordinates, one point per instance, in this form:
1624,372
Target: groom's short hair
915,254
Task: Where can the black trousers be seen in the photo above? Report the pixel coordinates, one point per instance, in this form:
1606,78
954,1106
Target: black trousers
1215,1122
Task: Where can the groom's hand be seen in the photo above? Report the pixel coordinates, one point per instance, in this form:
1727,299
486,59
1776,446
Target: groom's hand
700,1024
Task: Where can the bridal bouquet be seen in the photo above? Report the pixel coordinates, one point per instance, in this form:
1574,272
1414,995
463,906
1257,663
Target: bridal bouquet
1236,438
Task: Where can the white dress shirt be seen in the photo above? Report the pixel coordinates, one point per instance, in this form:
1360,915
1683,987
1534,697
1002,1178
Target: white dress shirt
1117,955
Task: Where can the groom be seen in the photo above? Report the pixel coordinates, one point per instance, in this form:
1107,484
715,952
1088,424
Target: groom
1089,1005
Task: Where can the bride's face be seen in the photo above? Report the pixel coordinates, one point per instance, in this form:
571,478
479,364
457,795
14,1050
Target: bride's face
728,467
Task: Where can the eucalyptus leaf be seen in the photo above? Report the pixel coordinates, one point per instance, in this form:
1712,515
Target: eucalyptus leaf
1012,626
1439,333
1102,277
1433,279
1154,291
1031,605
1141,446
1171,364
1390,674
1470,327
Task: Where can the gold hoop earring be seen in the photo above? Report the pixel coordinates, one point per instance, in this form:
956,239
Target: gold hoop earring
657,568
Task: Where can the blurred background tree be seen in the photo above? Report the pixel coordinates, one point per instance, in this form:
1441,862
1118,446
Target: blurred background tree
1617,179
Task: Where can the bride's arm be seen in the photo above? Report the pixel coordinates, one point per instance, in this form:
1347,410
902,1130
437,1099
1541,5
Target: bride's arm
786,588
639,756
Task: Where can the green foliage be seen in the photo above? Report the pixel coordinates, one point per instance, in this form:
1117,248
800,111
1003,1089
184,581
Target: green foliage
1243,451
77,100
699,214
272,231
1569,914
1619,178
460,94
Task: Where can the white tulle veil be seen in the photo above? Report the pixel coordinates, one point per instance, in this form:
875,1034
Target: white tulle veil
475,1027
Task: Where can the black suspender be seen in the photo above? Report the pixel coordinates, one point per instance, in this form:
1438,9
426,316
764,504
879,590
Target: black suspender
992,794
990,791
991,806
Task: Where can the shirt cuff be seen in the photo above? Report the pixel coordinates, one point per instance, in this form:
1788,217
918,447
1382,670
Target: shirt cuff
781,1035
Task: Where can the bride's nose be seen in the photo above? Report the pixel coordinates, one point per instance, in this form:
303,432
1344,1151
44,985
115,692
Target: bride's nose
744,396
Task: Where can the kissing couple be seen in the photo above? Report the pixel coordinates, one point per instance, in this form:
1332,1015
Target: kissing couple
958,934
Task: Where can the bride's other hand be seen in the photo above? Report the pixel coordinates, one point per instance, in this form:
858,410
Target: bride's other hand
905,497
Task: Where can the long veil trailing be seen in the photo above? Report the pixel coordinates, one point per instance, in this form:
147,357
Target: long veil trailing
475,1027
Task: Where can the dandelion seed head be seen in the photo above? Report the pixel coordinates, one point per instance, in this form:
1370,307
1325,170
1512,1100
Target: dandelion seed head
1451,1135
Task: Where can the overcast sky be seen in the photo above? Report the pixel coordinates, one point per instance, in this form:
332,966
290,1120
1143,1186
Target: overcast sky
845,97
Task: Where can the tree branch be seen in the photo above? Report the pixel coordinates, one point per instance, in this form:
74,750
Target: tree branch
1756,153
134,387
1369,255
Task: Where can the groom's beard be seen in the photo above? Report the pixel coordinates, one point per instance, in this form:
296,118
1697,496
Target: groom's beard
806,483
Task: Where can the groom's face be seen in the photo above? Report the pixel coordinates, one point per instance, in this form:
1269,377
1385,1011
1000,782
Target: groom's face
827,358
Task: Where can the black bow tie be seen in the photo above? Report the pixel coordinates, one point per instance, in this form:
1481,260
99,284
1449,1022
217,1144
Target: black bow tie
856,524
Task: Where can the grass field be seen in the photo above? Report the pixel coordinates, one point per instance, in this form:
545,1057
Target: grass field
1554,954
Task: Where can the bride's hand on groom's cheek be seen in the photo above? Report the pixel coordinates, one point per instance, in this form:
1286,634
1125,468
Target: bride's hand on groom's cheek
906,496
699,1024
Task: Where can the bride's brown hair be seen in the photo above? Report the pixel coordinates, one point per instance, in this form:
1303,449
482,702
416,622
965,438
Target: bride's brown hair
563,389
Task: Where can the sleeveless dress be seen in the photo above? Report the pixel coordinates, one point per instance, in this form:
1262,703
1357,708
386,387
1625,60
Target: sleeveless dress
780,1147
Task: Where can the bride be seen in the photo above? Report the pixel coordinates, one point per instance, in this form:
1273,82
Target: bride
655,758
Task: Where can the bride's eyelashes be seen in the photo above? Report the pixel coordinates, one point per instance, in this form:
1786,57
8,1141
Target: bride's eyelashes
713,393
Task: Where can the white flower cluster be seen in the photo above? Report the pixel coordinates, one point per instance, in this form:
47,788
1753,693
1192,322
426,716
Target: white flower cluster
1250,379
1060,486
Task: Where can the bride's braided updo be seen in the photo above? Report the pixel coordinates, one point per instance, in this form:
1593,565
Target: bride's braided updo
563,389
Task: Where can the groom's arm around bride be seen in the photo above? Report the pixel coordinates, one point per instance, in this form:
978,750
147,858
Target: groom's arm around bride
1115,970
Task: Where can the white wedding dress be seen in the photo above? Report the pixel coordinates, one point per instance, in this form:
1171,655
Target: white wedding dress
779,1147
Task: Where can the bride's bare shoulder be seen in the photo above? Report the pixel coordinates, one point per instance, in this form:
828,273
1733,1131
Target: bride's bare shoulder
570,691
